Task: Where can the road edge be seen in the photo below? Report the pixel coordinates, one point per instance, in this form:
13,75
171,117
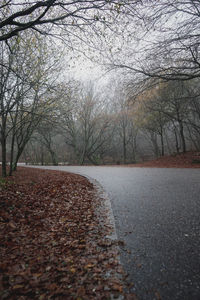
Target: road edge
101,194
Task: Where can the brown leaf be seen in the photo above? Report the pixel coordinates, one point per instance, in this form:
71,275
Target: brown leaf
18,286
72,270
117,287
52,286
81,291
88,266
12,225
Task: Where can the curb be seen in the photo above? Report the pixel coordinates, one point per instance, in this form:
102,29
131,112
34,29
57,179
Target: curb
101,194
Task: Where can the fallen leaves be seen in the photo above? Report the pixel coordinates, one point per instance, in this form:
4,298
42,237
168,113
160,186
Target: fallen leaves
52,244
190,159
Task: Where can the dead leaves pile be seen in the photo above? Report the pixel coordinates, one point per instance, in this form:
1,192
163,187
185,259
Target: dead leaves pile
52,245
190,159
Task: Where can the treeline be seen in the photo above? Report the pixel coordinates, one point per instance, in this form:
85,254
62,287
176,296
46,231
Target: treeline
86,129
153,110
48,121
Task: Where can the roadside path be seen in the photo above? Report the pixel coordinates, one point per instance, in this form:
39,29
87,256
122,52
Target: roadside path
157,215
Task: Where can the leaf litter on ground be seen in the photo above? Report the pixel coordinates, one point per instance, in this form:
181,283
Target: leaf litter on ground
53,243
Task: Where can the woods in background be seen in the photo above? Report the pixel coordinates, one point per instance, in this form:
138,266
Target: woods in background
152,108
163,120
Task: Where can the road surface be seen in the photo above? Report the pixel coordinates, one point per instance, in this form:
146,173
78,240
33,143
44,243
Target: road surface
157,215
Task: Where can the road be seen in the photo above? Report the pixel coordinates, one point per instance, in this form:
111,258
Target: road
157,215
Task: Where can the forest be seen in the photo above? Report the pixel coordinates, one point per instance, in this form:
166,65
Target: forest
146,103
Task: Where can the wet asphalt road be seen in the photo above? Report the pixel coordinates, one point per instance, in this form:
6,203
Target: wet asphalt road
157,215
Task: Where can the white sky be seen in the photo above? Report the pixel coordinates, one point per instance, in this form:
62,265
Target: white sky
85,70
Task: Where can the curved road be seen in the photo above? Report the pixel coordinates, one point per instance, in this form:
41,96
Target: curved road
157,215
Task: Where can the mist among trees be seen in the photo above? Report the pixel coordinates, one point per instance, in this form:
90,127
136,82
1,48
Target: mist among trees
147,106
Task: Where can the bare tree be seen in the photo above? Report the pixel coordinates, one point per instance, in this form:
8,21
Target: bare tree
25,79
149,118
163,109
123,123
85,126
9,94
162,41
47,16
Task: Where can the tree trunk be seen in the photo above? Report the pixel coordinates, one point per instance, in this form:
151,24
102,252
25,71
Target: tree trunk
182,136
124,146
19,153
155,144
162,144
168,145
134,148
82,158
12,155
53,157
176,140
3,147
42,156
15,162
192,138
